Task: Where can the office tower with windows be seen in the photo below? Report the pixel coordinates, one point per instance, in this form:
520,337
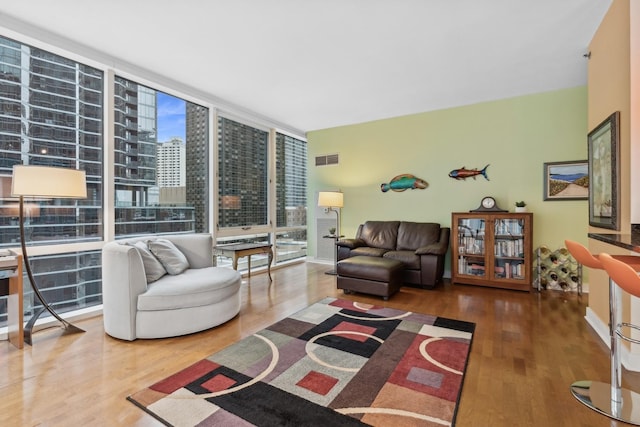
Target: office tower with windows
134,157
243,153
197,154
51,111
291,181
171,163
149,177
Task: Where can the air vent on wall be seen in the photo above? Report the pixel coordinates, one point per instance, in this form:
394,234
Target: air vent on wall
329,159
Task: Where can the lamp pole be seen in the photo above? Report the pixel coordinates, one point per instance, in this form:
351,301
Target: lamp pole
332,201
28,329
334,272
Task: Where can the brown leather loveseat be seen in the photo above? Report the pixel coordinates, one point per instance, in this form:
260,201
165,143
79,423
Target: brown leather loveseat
420,246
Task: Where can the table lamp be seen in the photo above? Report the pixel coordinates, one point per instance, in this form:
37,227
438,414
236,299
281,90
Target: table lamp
49,183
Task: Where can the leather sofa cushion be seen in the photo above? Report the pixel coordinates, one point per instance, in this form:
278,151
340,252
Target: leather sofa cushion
409,259
367,251
195,287
380,234
412,235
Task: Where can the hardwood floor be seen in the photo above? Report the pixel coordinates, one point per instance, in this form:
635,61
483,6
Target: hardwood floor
527,350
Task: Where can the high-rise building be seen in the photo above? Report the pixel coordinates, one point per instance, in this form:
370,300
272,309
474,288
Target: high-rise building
291,181
197,174
149,177
243,159
51,111
135,116
51,115
171,163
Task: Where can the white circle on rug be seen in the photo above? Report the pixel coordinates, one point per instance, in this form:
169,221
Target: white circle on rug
315,358
427,356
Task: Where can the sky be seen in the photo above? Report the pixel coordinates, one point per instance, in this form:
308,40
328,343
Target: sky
171,117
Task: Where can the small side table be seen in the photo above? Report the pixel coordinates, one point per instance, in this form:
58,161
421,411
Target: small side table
239,250
15,309
335,238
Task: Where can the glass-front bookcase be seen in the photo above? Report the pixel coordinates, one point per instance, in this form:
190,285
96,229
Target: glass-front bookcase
492,249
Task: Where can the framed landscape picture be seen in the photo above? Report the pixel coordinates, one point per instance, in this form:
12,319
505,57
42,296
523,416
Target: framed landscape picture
566,180
604,159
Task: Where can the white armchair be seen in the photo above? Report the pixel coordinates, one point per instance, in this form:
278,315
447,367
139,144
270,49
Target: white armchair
201,297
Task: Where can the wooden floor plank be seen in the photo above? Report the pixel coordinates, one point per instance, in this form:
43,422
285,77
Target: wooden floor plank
527,350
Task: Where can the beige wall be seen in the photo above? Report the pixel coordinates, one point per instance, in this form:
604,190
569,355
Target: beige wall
515,136
634,86
609,88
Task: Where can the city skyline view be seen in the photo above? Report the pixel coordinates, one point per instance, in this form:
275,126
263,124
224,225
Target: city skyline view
54,115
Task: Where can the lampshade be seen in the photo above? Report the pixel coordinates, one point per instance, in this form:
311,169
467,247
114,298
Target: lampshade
46,181
330,199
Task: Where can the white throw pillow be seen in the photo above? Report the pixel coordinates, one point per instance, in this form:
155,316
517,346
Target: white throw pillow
153,268
169,255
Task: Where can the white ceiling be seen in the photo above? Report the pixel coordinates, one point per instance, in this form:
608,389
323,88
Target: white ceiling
314,64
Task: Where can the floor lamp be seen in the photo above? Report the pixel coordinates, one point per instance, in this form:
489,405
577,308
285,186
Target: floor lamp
333,201
51,183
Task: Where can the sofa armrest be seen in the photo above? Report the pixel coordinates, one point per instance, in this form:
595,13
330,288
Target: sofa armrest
350,243
438,248
123,279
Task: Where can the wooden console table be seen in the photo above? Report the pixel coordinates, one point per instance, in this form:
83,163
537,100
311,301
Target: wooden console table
239,250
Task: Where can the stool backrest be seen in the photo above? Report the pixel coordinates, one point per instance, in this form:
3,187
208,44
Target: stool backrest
621,273
582,254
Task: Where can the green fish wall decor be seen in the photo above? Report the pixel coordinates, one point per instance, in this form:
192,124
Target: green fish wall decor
404,182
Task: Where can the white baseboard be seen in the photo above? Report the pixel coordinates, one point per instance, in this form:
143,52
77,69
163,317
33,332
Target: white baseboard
602,329
319,260
631,361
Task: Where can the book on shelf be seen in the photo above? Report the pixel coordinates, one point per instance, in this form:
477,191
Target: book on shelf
509,227
473,267
509,248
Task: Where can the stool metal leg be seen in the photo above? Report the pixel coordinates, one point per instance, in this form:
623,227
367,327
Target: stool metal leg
611,399
615,319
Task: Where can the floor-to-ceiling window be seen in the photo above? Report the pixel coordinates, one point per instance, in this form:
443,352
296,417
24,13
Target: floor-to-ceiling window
253,207
167,175
243,160
291,197
161,145
51,113
243,186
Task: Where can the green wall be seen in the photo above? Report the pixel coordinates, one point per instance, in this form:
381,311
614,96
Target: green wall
515,136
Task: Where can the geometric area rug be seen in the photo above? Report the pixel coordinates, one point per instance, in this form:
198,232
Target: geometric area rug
334,363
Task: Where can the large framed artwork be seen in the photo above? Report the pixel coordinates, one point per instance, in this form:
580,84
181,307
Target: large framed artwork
604,181
566,180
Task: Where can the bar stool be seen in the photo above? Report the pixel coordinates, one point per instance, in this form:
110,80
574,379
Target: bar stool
610,399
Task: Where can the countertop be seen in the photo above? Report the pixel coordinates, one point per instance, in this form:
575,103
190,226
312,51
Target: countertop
626,241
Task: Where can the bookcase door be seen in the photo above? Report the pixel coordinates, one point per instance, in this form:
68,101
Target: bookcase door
471,256
509,262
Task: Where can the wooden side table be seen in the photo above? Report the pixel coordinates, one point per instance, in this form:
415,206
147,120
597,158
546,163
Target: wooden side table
15,307
239,250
